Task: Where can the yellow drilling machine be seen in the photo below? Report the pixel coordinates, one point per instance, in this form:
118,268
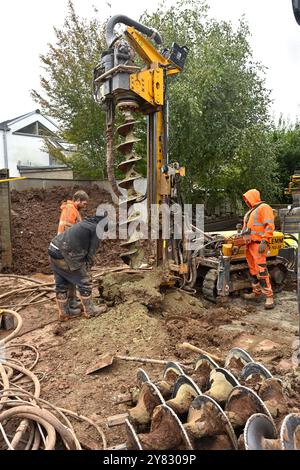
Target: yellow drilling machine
124,88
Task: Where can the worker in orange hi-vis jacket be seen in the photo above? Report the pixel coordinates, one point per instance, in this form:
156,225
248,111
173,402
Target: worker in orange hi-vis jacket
260,220
69,216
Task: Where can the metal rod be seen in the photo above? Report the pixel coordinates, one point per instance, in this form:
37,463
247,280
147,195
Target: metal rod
118,68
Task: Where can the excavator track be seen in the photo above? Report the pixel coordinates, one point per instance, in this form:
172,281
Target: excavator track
209,287
133,255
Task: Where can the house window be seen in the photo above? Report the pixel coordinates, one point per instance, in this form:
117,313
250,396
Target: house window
36,129
42,130
30,129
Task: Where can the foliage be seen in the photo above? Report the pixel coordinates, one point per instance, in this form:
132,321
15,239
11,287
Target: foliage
219,120
286,137
67,92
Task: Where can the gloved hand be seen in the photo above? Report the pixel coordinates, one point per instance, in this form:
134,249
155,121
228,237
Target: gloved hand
262,247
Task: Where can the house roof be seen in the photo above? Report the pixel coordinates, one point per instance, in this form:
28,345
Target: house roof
4,124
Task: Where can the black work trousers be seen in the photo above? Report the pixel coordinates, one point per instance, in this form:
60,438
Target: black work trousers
64,278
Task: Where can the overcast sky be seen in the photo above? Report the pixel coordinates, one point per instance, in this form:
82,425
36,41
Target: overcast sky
26,26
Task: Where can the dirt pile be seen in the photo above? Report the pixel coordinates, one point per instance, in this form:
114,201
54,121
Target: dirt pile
35,216
183,316
143,288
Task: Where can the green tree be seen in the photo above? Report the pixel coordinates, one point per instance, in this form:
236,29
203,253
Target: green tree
67,92
286,137
219,106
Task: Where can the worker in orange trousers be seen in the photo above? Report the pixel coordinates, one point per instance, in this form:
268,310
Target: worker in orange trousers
260,220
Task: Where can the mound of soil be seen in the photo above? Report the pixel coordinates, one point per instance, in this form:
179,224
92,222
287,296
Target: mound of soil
35,217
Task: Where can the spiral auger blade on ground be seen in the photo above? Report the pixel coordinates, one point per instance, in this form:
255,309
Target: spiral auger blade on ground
133,255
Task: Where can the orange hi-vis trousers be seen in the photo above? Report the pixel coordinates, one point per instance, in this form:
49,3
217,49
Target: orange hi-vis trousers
257,263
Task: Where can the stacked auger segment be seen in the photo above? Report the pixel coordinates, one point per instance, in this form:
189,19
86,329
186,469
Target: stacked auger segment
212,410
133,255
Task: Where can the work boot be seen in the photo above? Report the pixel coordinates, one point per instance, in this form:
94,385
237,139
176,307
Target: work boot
269,303
74,302
90,309
73,312
74,307
62,305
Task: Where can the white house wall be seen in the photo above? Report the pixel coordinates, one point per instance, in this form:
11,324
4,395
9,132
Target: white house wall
2,163
25,149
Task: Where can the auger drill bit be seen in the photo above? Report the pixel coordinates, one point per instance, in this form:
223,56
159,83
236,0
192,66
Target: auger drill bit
134,254
260,433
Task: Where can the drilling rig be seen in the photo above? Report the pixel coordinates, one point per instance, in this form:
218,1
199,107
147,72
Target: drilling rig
120,86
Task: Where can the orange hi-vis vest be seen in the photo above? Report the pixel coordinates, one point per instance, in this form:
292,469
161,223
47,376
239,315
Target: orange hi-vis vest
260,218
69,216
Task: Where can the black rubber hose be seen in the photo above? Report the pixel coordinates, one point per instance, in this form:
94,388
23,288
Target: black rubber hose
111,37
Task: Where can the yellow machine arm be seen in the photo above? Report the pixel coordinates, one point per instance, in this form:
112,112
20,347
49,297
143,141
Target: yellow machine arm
120,85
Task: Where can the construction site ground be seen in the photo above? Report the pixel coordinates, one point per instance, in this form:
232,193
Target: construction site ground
143,319
150,325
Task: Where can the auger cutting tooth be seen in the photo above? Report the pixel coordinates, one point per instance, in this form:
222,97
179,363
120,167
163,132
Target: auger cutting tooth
133,258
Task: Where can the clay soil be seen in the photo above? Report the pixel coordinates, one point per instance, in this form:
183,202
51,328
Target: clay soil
35,216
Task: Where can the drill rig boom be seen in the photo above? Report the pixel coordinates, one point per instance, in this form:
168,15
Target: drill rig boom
122,86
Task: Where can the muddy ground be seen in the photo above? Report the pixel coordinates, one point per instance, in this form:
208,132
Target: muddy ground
144,319
147,321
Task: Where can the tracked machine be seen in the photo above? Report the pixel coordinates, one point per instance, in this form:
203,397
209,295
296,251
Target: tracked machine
132,80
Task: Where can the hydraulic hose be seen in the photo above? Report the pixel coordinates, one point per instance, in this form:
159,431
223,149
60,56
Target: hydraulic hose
111,37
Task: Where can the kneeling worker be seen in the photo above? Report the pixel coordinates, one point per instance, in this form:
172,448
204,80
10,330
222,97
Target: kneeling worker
71,254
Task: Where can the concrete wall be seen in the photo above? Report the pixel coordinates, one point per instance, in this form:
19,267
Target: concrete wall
5,225
43,183
53,174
